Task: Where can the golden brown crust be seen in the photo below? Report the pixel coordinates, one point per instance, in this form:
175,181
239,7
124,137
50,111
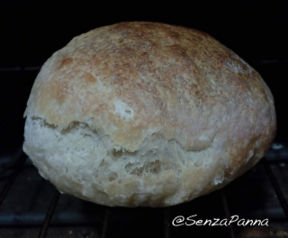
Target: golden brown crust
132,80
154,69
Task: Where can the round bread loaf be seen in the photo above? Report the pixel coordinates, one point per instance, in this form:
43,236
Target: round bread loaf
146,114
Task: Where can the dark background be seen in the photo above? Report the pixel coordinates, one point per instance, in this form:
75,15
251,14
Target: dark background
32,31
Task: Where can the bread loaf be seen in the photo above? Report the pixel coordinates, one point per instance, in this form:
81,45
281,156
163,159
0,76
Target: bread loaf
146,114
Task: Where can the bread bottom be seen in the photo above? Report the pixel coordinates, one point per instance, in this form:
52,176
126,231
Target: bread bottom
84,163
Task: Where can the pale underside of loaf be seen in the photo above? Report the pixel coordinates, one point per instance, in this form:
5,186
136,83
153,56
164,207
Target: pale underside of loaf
89,165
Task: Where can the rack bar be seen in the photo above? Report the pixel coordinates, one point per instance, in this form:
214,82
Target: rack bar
49,215
105,223
20,160
276,186
6,189
226,211
166,223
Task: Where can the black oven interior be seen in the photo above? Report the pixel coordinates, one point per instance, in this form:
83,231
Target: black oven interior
32,207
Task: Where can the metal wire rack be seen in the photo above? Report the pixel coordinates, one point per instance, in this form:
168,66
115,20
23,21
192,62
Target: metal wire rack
31,207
